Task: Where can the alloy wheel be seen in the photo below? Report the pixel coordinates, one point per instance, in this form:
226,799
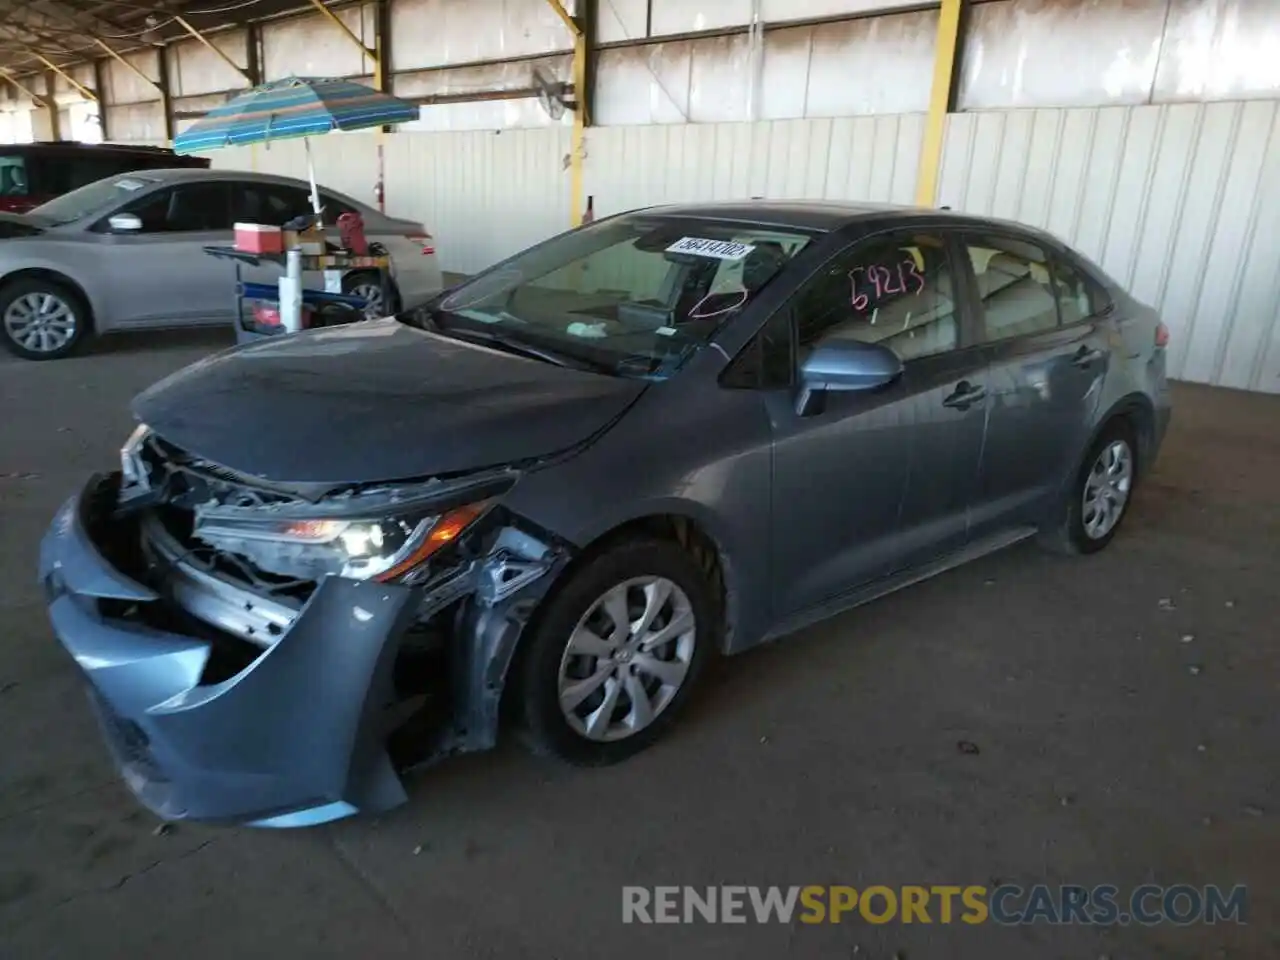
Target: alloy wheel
371,293
1106,489
40,322
627,658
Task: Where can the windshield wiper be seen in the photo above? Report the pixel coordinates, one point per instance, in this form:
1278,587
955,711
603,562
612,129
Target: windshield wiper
524,349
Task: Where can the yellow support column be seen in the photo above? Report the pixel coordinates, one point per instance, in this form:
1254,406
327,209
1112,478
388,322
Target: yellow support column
578,148
944,62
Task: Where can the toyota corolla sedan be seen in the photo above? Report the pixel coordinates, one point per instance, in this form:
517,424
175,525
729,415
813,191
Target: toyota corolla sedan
546,499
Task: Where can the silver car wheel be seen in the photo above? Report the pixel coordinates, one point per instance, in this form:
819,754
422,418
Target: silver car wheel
371,293
40,322
1106,489
627,658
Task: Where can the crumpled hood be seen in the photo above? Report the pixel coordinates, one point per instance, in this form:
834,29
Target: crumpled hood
376,401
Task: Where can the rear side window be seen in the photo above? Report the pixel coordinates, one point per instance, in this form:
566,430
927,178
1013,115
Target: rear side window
13,177
334,208
1080,296
1015,287
269,203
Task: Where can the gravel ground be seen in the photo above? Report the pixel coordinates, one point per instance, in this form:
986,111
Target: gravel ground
1123,710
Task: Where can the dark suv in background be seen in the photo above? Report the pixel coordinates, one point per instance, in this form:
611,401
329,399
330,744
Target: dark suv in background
34,173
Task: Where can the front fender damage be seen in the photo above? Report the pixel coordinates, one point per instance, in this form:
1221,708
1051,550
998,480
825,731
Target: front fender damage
369,681
487,605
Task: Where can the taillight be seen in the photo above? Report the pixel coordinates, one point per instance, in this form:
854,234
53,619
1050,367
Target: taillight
423,240
1162,335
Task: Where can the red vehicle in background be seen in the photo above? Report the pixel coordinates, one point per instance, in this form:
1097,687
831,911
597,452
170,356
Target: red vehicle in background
34,173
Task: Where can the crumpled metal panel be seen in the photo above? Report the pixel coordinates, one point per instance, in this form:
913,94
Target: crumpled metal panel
437,33
1220,50
195,69
1180,203
1065,53
876,65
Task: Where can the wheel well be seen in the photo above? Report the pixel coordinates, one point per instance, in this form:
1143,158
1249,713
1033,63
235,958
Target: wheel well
686,532
679,529
372,275
53,276
1137,411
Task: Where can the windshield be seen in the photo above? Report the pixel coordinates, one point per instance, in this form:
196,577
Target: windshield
631,296
91,198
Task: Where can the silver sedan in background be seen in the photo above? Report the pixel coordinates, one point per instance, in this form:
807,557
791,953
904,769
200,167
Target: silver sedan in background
127,253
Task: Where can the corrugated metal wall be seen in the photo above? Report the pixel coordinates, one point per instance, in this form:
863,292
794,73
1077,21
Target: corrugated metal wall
483,195
1153,146
856,158
1181,203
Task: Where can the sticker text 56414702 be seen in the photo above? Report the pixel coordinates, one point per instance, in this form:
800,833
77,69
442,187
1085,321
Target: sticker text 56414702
720,249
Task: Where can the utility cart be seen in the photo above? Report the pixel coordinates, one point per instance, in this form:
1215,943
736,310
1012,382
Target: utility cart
265,310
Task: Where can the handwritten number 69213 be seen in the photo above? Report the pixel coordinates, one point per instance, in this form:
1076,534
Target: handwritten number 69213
878,282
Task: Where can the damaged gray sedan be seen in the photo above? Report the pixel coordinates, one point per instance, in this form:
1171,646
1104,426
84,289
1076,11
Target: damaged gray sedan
553,493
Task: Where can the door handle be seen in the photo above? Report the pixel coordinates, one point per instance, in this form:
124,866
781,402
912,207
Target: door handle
1086,356
965,396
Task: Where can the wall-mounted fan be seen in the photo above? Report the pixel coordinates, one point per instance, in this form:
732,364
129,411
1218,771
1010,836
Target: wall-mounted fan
554,96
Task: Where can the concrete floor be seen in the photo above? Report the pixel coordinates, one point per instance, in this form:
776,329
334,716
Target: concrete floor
830,758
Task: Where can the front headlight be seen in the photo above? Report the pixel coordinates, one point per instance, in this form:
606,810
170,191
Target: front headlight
382,549
133,471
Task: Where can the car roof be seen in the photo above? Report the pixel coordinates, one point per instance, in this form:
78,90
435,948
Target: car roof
76,146
183,174
826,216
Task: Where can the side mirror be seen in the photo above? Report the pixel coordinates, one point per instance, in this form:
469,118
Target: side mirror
124,223
844,366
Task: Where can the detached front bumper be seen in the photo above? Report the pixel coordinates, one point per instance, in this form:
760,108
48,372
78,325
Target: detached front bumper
294,739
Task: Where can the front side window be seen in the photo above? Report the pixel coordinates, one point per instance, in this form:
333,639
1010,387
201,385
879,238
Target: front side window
82,171
187,208
90,199
895,291
1015,286
634,295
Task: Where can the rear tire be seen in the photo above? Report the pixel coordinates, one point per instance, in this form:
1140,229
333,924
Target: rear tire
1098,499
42,319
594,693
364,283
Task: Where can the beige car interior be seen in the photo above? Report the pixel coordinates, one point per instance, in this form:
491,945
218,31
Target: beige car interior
911,325
1017,295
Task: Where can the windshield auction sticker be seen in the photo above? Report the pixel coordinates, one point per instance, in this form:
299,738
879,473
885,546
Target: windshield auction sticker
720,249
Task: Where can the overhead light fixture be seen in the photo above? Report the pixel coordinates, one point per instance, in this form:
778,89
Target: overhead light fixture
150,35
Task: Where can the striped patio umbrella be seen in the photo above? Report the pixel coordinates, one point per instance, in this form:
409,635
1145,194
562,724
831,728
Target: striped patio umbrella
294,107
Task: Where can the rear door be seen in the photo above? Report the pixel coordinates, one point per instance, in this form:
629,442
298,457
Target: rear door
161,274
1048,347
16,190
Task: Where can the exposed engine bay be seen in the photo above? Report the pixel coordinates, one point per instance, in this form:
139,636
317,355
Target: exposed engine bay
244,559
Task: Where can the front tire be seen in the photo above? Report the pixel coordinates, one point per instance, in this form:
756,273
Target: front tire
616,653
42,319
1098,499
